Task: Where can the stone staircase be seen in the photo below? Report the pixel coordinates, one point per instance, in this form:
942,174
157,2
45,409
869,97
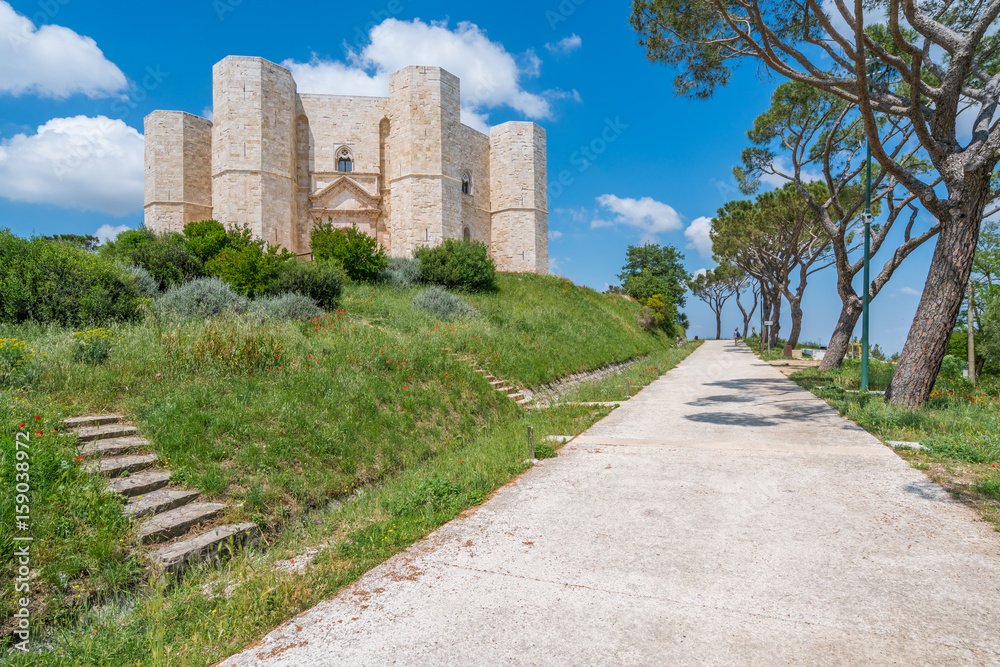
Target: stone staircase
177,530
513,393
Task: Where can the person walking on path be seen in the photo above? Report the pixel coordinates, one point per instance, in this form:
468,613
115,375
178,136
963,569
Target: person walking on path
736,336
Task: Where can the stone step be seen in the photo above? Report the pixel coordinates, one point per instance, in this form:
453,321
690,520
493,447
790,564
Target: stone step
497,383
113,446
523,401
172,523
516,396
91,420
161,500
114,467
91,433
211,545
139,483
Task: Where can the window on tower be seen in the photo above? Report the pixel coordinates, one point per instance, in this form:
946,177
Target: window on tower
466,184
344,162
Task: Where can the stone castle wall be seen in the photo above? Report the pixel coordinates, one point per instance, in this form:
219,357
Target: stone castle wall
178,169
270,161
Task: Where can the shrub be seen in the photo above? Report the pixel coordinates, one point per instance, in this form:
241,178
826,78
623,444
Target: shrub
951,369
402,272
322,280
361,256
15,356
288,306
458,264
46,281
166,256
442,304
205,297
148,286
249,265
93,347
206,238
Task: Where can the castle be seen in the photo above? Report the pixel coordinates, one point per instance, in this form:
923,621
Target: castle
404,169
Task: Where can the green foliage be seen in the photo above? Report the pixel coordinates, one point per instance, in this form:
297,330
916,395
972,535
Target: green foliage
46,281
361,256
951,369
147,285
248,264
201,298
15,358
287,306
653,269
84,242
93,347
321,280
206,238
402,272
442,304
458,264
166,256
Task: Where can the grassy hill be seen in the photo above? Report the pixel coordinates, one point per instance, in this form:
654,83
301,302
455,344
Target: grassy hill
377,403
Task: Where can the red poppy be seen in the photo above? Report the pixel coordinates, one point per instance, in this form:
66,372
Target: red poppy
37,417
38,432
21,425
78,458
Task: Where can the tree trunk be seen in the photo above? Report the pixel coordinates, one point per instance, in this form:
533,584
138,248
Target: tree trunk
775,317
718,324
840,341
944,293
795,305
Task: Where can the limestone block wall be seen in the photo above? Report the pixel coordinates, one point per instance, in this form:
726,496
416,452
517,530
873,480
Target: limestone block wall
178,178
253,157
424,118
519,197
474,158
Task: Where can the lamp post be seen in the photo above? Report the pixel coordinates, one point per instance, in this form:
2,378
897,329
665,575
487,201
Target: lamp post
872,68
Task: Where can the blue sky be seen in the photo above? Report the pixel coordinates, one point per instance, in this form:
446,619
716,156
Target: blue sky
628,161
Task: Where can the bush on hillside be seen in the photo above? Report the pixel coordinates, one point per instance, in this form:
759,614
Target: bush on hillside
249,265
442,304
148,286
206,238
287,306
48,281
402,272
458,264
361,256
166,256
201,298
322,280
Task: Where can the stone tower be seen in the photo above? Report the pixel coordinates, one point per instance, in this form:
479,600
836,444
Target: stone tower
519,197
178,169
253,157
424,181
402,168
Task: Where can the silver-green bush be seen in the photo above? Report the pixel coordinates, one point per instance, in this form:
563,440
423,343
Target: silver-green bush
402,272
288,306
204,297
144,280
442,304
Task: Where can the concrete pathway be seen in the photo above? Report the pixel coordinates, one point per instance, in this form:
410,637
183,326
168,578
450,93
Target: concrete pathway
722,516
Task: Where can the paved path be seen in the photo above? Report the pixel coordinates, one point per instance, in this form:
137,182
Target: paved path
722,516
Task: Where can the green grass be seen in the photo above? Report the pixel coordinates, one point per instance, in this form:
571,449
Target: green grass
284,418
639,374
959,425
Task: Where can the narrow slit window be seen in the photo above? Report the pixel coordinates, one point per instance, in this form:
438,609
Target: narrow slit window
466,184
344,162
467,234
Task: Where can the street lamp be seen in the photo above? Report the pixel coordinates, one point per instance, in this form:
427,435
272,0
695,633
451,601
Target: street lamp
873,67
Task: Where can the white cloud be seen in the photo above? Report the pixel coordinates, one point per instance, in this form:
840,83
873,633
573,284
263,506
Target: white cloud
208,113
909,291
700,272
554,236
52,61
94,164
566,44
699,233
107,233
648,216
490,76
